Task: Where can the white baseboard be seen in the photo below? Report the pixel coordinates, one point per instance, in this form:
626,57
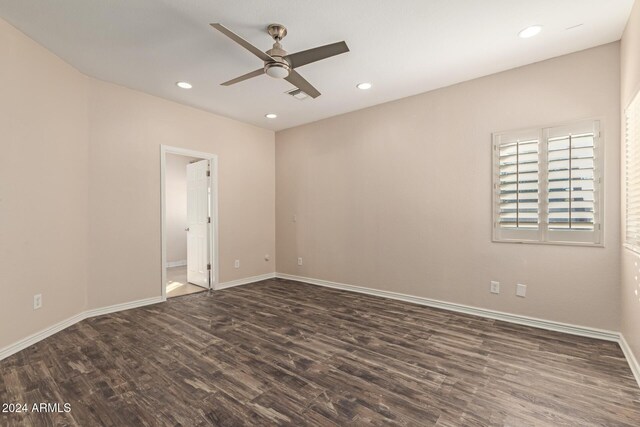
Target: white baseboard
121,307
180,263
39,336
244,281
633,362
47,332
459,308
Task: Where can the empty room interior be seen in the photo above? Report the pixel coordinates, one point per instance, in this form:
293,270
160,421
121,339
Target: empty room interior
323,213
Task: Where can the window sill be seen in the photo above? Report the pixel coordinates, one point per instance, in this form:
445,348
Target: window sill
535,242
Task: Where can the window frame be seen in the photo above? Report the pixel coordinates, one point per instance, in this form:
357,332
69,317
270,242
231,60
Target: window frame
543,235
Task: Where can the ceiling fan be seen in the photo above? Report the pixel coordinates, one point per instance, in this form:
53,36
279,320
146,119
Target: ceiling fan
278,63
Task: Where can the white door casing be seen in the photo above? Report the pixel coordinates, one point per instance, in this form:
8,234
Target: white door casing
198,223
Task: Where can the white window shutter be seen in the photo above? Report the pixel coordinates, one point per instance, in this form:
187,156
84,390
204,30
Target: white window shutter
632,175
516,185
548,185
573,183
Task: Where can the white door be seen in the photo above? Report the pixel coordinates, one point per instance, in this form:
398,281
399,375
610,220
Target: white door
198,223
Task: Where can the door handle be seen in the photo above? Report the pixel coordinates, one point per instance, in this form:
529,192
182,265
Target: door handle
186,229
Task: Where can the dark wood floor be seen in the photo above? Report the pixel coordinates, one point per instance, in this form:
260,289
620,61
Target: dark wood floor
281,352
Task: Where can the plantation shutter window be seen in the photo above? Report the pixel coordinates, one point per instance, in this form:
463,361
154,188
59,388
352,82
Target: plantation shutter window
573,183
632,175
517,185
547,185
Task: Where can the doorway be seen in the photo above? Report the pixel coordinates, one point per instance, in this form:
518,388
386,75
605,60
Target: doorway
189,221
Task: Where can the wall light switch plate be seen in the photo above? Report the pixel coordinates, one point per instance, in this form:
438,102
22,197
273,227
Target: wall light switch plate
299,260
495,287
521,290
237,264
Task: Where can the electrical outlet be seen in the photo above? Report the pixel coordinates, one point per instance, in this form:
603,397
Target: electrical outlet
521,290
37,301
495,287
237,264
299,260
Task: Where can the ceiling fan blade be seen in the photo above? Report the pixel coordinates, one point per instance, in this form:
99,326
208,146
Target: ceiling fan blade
298,81
242,42
256,73
308,56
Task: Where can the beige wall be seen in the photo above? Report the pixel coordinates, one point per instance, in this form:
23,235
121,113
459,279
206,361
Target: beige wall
43,187
630,84
80,189
398,196
176,206
126,131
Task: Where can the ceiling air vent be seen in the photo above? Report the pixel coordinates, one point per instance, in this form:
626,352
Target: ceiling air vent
297,94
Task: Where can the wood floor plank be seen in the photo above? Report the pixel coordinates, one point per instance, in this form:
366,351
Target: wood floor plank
286,353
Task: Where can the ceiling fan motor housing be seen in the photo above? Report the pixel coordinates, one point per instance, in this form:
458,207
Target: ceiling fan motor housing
279,68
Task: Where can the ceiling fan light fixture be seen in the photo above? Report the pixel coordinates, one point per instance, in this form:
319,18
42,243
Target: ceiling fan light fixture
276,70
184,85
364,86
531,31
271,116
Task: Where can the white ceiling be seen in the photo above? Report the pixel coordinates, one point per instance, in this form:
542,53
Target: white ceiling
404,47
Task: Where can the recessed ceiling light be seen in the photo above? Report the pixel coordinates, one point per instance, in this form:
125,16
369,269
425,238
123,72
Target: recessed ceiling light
184,85
364,86
271,116
530,31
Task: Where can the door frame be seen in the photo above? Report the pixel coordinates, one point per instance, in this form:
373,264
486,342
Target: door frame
213,229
